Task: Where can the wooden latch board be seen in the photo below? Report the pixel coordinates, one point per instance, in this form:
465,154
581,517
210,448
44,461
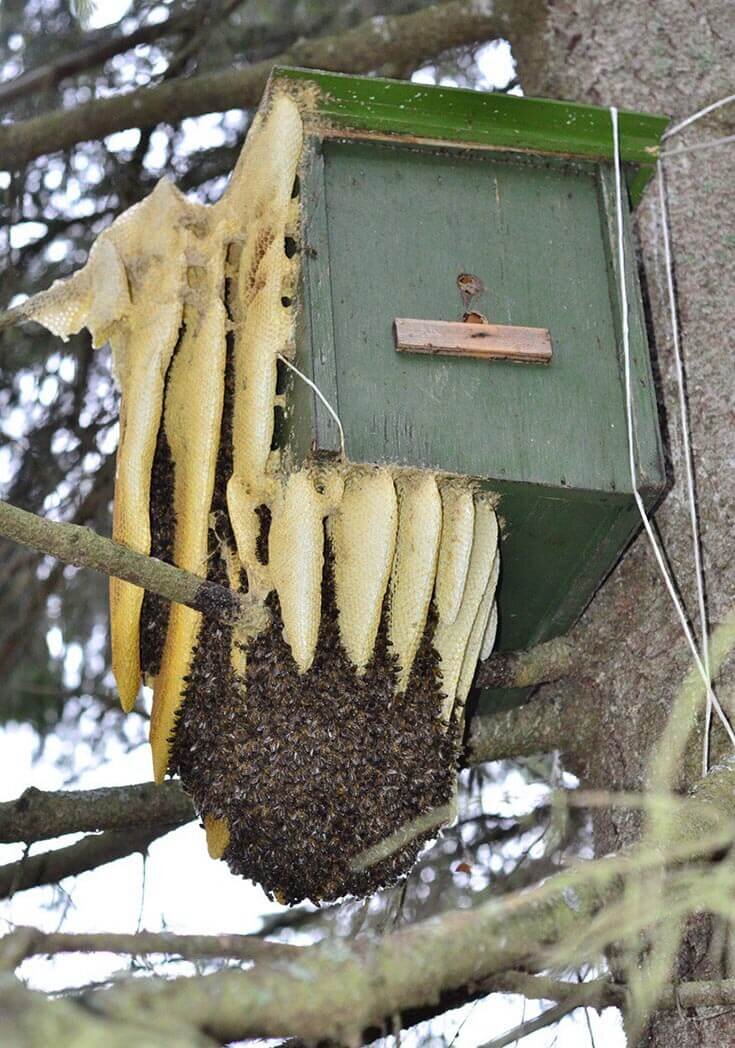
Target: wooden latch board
462,339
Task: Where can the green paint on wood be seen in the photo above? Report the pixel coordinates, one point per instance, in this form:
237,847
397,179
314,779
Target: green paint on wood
402,224
484,118
557,546
386,229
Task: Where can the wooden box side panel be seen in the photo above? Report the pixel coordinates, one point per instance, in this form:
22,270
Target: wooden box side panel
401,224
557,548
562,538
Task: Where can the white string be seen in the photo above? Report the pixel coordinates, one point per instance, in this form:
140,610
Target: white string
698,147
673,153
697,116
658,553
686,441
323,399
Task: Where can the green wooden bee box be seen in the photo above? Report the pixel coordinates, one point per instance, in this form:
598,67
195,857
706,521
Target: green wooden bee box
403,187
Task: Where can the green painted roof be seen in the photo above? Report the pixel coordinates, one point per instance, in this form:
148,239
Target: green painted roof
402,108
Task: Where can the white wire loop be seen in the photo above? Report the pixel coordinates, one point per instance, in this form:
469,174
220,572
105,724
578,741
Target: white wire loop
697,147
321,396
696,543
698,116
687,448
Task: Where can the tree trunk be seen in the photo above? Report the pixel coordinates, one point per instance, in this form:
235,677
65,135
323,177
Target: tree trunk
666,56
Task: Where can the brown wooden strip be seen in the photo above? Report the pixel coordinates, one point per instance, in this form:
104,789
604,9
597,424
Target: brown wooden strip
486,341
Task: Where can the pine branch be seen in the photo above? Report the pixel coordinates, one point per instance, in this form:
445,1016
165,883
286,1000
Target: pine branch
346,991
25,942
410,38
40,815
47,77
31,1020
84,548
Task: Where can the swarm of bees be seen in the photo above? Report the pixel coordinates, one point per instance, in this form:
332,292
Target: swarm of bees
319,739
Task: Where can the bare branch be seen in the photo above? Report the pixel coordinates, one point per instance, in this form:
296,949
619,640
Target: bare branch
601,992
548,1018
86,549
544,724
87,854
206,20
258,36
344,991
12,317
414,37
40,815
521,669
37,589
605,993
25,942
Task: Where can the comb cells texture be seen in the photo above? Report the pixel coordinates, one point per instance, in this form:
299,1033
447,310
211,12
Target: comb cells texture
320,729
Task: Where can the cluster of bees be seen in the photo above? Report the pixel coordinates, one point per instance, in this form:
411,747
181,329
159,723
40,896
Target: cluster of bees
328,724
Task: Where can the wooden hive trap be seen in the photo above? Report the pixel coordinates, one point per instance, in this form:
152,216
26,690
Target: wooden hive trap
320,739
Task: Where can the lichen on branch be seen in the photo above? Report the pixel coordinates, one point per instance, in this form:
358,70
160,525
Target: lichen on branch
84,548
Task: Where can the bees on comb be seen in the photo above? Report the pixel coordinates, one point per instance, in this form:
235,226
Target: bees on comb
319,739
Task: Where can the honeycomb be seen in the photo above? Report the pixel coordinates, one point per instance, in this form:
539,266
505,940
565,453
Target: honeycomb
310,743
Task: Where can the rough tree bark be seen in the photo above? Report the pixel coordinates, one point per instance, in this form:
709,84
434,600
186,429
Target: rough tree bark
663,55
671,56
39,815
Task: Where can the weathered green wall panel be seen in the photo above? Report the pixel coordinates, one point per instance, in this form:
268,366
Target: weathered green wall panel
402,224
557,546
386,228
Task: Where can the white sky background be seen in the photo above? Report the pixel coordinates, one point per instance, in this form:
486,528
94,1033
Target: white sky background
184,891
